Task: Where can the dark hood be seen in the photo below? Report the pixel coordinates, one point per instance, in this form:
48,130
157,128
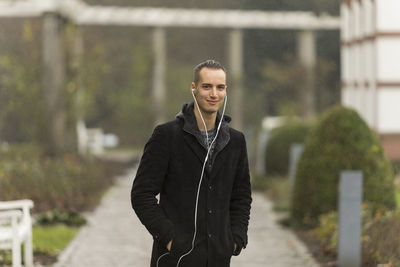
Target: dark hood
189,119
190,124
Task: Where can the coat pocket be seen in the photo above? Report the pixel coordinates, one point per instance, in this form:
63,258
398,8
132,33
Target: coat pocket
180,245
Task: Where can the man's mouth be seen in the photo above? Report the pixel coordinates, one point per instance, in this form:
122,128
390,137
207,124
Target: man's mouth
212,102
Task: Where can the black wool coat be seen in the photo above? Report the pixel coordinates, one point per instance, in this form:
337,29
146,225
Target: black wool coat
171,166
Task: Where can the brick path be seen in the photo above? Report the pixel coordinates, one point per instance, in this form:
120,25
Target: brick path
115,237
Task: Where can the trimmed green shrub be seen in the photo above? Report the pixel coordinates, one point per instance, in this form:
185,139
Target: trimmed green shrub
340,141
278,146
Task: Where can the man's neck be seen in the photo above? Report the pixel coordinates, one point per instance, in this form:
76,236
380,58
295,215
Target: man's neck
209,119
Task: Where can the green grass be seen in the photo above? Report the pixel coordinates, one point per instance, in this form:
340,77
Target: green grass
48,242
52,239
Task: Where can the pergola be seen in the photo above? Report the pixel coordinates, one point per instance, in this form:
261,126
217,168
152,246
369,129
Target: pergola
234,21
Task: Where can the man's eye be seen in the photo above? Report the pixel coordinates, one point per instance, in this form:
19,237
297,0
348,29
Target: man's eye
206,86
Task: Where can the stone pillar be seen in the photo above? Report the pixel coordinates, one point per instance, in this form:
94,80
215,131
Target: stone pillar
306,52
159,83
260,158
53,56
77,69
81,133
235,71
350,220
294,156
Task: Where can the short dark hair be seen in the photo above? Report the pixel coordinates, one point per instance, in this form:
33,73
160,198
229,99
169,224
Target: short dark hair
211,64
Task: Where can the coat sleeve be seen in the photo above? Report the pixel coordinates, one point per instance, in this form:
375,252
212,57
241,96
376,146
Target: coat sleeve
241,200
147,185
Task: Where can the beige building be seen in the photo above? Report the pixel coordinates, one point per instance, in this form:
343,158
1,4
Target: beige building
371,66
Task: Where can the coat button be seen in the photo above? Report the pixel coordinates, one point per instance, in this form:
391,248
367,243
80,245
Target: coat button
209,235
210,211
210,187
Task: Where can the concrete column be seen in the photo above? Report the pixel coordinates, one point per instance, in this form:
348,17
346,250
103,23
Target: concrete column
77,69
350,220
159,83
260,158
235,86
294,156
306,51
81,133
53,56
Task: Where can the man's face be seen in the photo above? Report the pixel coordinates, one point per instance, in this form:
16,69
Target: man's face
210,90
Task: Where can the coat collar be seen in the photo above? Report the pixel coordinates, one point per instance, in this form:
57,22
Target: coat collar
190,127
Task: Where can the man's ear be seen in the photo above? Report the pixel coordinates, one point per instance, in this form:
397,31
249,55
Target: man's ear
192,87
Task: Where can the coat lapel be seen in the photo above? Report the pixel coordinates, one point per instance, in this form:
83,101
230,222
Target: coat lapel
194,145
191,136
222,141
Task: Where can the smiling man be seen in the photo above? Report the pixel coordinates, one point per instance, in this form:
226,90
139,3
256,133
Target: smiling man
198,165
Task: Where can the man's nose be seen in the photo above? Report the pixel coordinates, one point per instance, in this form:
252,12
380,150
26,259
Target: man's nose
213,92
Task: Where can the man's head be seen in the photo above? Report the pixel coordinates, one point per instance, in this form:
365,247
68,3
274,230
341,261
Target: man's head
209,85
210,64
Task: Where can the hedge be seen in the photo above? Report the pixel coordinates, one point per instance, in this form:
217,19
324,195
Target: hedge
341,140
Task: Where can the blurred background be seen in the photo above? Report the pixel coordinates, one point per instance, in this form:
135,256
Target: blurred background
117,69
78,102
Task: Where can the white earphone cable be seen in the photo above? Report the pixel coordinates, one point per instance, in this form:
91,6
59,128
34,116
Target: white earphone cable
201,116
202,173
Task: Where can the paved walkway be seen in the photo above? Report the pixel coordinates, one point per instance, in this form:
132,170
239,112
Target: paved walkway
115,237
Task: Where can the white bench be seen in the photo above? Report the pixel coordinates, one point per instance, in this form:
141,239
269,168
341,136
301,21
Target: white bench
16,229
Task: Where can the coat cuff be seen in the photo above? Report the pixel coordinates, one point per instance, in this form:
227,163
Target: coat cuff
164,239
240,245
